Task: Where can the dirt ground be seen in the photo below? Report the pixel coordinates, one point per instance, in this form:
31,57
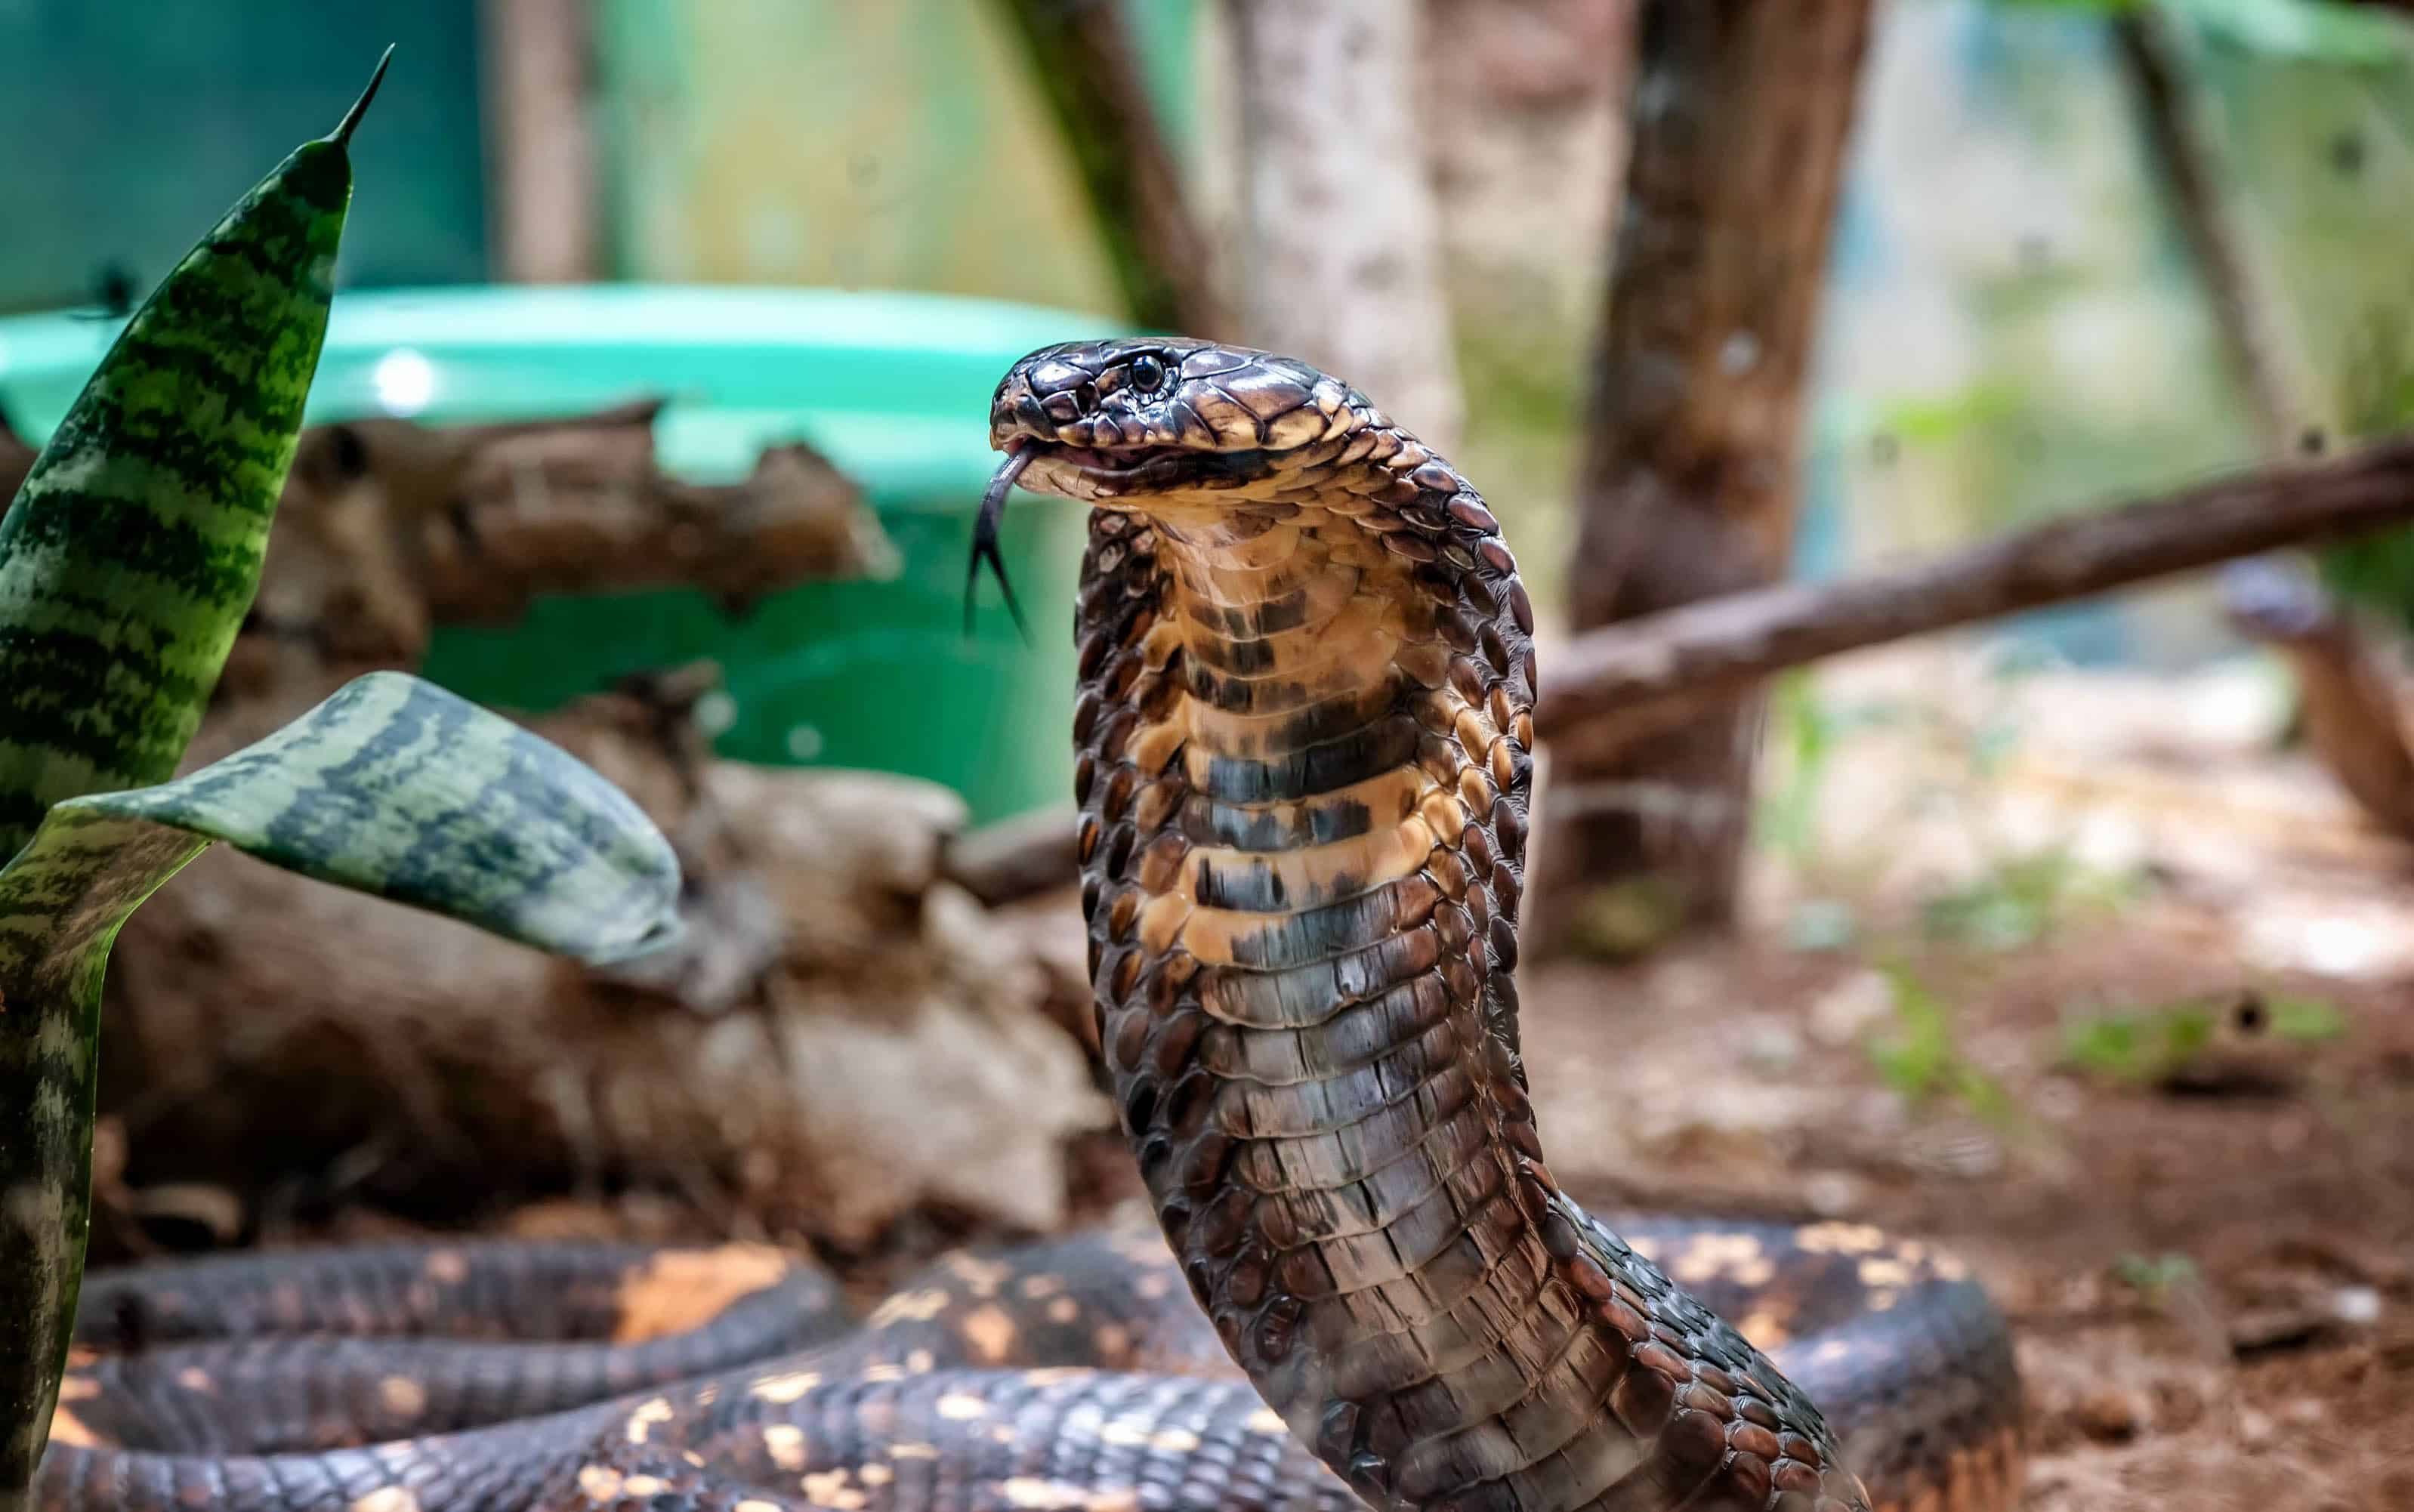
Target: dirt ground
2211,1288
2120,1011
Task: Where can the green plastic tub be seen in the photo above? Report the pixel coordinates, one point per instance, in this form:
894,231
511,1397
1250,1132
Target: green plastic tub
894,388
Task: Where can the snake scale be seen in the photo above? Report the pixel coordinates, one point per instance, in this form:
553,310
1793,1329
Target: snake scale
1305,748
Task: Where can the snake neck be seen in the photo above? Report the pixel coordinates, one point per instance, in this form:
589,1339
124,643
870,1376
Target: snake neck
1304,753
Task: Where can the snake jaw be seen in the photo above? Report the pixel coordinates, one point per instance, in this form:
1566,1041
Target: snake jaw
1133,481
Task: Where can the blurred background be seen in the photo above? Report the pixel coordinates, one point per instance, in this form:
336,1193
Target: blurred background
653,412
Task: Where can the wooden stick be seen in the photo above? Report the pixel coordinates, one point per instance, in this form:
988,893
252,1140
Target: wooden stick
1607,676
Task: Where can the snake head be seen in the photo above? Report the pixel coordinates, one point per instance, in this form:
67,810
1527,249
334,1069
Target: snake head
1115,419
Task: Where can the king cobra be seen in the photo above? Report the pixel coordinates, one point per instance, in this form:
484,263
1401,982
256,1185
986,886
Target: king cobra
1304,745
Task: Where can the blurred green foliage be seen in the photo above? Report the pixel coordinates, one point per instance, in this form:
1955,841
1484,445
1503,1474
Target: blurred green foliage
2022,896
2144,1044
1920,1054
2156,1276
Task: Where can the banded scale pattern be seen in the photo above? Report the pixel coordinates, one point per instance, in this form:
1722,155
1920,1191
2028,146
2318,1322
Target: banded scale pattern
1306,749
1072,1375
256,1353
392,786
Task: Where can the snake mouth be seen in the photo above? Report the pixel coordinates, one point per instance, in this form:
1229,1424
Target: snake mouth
1122,478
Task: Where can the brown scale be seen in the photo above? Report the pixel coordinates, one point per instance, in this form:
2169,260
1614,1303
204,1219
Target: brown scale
1301,943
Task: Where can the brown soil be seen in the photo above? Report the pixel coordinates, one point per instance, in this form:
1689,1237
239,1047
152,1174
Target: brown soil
2223,1378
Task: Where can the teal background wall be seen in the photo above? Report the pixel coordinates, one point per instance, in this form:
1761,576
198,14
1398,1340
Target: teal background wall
132,122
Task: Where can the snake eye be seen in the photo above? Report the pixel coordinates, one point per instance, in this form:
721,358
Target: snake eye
1147,373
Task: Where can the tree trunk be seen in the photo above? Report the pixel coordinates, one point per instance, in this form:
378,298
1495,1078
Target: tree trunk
1084,62
1342,264
543,177
1740,113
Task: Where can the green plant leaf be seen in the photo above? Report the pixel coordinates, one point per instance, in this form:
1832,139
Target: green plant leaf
131,554
392,787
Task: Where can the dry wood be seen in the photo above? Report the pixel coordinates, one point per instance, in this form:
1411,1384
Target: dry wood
1083,60
1604,677
2251,309
2351,697
1740,113
388,529
423,1063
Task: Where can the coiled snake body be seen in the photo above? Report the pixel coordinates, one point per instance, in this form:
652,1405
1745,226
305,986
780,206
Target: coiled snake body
1304,745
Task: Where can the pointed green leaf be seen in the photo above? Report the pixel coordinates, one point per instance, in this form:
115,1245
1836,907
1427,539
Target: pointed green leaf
132,552
392,787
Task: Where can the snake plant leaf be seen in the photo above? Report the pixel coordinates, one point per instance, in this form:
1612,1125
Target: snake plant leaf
392,787
131,553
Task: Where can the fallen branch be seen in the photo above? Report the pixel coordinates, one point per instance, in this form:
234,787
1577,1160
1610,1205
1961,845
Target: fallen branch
1605,681
390,529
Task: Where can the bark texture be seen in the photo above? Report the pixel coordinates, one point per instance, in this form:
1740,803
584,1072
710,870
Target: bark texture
1342,232
1740,115
544,185
290,1045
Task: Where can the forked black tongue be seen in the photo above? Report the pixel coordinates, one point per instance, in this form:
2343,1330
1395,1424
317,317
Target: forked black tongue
985,525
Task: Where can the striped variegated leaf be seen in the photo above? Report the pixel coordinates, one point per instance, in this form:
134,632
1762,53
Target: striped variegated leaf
392,787
130,555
